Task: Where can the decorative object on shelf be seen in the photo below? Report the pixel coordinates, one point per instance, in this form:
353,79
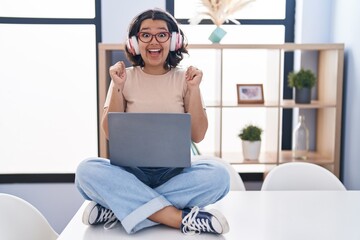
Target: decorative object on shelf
219,11
300,141
250,93
251,141
302,81
217,35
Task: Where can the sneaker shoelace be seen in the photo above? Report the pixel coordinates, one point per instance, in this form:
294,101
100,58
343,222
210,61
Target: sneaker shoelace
108,217
193,225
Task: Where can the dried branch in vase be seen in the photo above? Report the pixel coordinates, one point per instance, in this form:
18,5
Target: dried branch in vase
219,11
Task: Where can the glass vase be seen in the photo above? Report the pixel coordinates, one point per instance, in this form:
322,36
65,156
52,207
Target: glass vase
300,141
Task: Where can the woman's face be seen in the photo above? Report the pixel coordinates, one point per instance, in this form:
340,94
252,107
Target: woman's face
155,51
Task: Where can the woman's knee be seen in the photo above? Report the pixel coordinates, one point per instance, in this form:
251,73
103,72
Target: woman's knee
223,177
88,167
215,175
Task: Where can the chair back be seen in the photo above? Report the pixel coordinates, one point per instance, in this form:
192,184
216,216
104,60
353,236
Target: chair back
301,176
236,183
20,220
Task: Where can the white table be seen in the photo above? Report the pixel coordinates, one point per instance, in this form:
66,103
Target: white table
289,215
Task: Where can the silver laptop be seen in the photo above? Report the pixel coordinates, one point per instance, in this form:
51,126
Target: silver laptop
150,139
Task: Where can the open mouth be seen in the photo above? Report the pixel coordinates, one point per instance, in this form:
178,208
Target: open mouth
154,51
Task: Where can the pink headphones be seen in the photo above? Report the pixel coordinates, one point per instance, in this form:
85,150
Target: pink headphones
176,39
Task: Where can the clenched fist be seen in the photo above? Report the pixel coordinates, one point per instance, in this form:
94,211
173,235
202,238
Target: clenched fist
193,77
118,74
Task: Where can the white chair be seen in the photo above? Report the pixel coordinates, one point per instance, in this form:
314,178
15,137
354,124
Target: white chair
301,176
20,220
236,183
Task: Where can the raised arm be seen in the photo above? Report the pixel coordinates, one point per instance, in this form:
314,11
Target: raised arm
199,121
115,101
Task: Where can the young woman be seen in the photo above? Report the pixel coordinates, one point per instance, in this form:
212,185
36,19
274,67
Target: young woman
144,197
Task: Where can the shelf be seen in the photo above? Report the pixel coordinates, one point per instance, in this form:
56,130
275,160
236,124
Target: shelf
237,158
313,157
236,105
312,105
283,104
281,47
271,158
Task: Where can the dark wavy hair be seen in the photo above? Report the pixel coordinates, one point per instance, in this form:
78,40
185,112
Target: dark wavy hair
174,57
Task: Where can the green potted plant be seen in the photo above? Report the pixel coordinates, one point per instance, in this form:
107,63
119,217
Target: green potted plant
302,81
251,141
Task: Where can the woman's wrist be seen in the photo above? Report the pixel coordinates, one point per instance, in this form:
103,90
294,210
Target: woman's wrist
118,87
194,89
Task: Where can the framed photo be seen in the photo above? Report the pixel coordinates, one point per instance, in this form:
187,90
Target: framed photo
250,93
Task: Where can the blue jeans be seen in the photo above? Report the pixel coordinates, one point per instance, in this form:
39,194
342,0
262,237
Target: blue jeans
133,194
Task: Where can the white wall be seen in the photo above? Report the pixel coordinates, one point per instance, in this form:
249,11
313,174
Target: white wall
346,29
313,21
336,21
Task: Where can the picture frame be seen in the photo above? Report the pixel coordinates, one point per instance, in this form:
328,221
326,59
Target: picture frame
250,93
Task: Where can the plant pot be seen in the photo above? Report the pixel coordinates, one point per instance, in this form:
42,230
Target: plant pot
303,95
251,150
217,35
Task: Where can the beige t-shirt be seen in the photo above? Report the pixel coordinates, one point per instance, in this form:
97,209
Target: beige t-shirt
154,93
